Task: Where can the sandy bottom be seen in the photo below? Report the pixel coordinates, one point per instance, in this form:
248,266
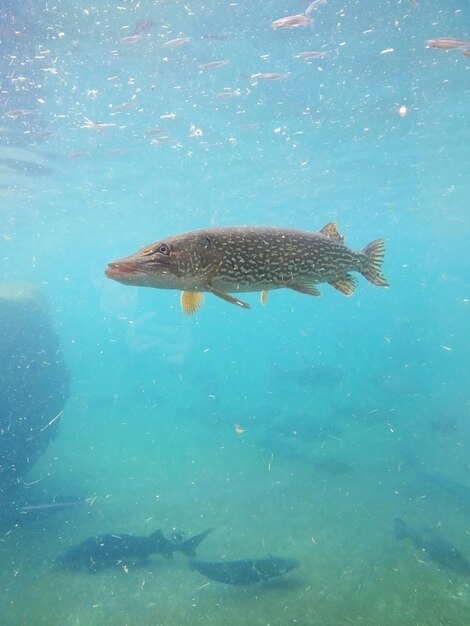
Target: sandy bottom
156,474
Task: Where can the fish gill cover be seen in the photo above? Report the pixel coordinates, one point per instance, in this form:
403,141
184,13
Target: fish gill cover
290,428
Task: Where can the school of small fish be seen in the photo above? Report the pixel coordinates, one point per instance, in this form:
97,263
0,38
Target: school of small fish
143,29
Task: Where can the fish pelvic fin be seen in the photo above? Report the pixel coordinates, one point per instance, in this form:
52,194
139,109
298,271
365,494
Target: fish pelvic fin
188,547
331,230
228,298
400,528
191,301
345,284
374,252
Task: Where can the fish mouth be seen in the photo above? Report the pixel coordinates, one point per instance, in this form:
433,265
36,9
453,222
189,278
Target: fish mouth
139,272
118,268
132,267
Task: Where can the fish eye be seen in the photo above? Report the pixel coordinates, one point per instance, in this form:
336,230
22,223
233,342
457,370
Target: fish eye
163,248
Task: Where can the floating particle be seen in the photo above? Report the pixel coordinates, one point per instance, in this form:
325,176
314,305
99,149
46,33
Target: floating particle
194,131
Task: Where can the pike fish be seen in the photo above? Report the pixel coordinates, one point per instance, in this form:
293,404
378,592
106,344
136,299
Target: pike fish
230,260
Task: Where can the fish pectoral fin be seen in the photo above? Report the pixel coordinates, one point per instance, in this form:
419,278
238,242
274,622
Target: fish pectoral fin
191,301
330,230
264,297
304,285
345,284
227,297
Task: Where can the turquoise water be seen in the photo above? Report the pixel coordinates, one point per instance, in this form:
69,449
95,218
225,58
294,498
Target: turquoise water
333,394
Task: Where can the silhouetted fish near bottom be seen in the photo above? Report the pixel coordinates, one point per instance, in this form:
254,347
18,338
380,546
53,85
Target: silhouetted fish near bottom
245,571
436,479
103,551
437,547
330,465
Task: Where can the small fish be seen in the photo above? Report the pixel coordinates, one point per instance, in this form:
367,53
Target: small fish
245,571
212,65
211,37
246,259
18,113
96,125
313,6
291,21
45,506
15,513
173,43
437,547
310,54
103,551
131,39
448,44
162,139
144,26
123,106
230,93
153,131
269,76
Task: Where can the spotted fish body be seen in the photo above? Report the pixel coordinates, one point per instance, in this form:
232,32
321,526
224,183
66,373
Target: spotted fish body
244,259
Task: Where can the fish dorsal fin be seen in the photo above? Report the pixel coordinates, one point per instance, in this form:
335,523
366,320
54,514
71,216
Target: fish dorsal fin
264,297
346,284
330,230
304,285
191,301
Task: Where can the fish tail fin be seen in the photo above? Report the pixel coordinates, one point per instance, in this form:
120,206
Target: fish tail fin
374,251
400,527
189,546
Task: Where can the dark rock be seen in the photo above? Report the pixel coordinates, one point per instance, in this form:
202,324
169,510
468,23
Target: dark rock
33,383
